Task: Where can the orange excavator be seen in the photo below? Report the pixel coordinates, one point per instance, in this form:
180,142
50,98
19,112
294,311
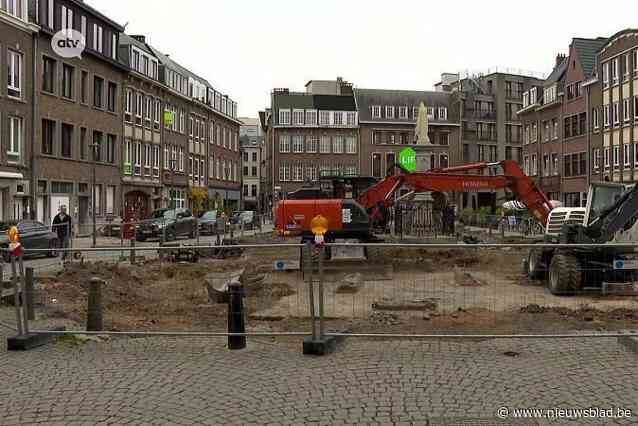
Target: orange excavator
351,218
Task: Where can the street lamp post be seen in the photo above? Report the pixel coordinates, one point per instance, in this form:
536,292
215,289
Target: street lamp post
95,146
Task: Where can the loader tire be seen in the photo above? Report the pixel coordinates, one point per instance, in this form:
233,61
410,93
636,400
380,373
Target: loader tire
565,275
534,267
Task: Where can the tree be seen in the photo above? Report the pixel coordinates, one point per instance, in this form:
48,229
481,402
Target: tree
199,198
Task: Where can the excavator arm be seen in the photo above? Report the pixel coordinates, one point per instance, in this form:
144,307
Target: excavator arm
452,180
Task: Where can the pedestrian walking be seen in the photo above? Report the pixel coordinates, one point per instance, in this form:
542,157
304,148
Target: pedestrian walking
62,226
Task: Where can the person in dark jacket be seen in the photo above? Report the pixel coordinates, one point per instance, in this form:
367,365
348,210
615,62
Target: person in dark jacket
62,226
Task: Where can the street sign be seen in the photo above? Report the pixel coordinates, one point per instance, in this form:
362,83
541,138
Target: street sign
407,159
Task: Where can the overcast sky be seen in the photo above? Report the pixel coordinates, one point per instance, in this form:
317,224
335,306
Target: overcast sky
245,48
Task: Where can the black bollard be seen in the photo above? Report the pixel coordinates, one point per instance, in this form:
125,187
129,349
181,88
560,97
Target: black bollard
236,322
94,321
29,294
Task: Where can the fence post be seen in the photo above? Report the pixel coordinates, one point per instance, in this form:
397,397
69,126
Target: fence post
132,251
16,297
236,322
308,263
322,251
94,320
29,296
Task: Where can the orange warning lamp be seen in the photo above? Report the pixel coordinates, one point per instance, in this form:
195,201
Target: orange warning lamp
14,242
14,235
319,225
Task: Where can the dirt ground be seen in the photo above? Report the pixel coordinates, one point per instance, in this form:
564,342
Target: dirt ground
407,291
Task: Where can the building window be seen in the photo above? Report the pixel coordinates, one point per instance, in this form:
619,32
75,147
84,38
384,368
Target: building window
110,149
66,18
324,118
284,116
337,145
48,77
324,146
606,74
443,113
607,160
594,115
16,141
616,156
443,161
16,8
525,165
284,144
338,118
48,136
616,115
128,106
351,118
614,71
606,115
297,173
634,55
389,112
311,173
97,38
376,165
376,111
297,144
626,156
625,110
66,148
111,96
98,90
15,70
312,145
403,112
596,155
635,108
555,164
97,146
311,117
351,145
157,113
83,144
298,117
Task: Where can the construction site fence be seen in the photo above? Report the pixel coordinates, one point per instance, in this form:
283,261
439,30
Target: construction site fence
439,291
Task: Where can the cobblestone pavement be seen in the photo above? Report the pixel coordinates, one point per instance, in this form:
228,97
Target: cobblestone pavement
198,381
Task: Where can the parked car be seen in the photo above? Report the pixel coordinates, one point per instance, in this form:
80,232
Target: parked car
245,218
171,223
208,223
33,235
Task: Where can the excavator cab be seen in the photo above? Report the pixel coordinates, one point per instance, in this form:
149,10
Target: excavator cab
601,196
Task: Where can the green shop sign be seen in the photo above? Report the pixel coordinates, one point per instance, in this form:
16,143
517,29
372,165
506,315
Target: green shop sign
407,159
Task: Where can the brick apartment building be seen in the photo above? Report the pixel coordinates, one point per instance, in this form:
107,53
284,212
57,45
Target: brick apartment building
17,36
79,115
541,117
200,140
557,124
309,134
251,141
387,121
490,128
615,135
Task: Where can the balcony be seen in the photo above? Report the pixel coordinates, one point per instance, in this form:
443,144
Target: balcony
472,114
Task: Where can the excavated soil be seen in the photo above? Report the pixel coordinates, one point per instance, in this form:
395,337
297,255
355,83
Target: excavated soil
406,291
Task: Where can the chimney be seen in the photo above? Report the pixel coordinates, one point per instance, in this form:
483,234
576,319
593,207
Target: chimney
140,38
559,59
